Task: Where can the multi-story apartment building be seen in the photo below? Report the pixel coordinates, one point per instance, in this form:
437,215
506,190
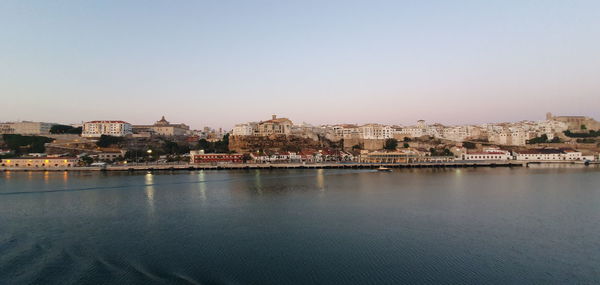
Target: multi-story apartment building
375,131
112,128
246,129
26,128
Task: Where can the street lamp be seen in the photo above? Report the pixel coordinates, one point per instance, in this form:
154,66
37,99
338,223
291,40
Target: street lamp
149,151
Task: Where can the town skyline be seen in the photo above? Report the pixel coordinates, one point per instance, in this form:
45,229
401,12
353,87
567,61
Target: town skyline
197,124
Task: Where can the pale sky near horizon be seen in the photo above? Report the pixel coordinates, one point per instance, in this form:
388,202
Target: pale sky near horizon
217,63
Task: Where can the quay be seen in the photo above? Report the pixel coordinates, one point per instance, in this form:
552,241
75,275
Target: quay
233,166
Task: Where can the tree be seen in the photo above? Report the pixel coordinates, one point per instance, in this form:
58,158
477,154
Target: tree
406,145
64,129
59,129
221,146
407,139
87,160
391,144
170,147
583,127
205,145
246,157
469,145
589,134
106,141
541,139
20,144
135,154
356,147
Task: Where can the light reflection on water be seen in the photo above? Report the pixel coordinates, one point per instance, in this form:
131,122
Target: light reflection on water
149,190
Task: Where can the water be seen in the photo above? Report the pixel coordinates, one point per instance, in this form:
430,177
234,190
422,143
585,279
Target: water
454,226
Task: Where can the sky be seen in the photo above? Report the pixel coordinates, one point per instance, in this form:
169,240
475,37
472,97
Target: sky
222,62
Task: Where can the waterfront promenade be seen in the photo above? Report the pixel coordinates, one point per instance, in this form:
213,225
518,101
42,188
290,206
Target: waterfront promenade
187,166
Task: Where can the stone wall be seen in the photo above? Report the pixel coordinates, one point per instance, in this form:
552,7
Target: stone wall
367,144
242,144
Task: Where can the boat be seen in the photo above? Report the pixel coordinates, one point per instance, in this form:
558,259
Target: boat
384,169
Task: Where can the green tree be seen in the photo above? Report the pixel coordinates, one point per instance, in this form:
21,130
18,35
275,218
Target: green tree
246,157
541,139
391,144
222,146
555,140
87,160
357,147
20,144
106,140
407,139
469,145
406,145
583,127
59,129
205,145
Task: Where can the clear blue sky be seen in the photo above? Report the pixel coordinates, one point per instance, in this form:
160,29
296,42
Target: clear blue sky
221,62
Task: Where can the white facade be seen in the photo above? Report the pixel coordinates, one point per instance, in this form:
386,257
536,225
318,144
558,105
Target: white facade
247,129
548,155
26,128
375,131
488,154
110,128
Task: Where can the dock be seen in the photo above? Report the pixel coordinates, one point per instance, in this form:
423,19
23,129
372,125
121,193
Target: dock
241,166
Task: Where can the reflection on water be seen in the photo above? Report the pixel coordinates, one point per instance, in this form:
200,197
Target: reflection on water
149,190
257,182
202,185
320,180
459,226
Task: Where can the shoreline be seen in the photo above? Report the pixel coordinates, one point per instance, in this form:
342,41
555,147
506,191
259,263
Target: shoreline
192,167
241,166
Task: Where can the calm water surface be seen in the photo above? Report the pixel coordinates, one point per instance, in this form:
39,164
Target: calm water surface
457,226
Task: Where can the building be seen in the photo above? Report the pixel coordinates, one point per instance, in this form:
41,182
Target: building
110,155
400,157
575,123
40,162
111,128
26,128
198,156
386,157
375,131
163,127
487,154
275,126
246,129
548,154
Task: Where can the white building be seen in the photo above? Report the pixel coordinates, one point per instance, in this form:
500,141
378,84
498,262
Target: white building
375,131
487,154
548,155
26,128
111,128
246,129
